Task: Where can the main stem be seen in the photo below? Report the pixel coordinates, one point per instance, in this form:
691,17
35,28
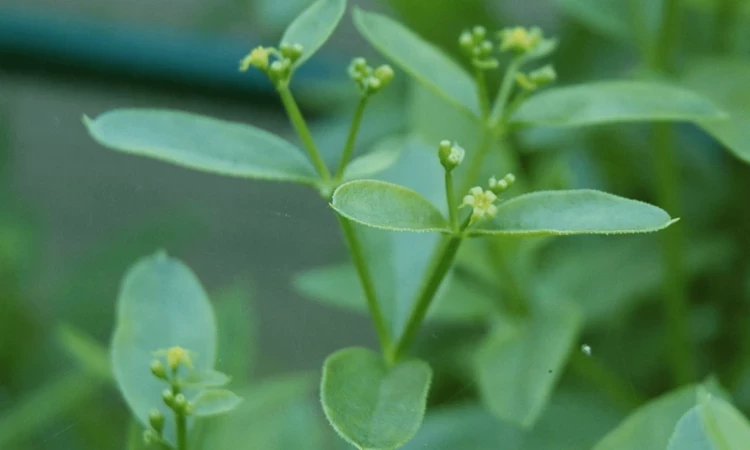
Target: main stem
367,284
180,421
668,182
451,198
445,257
352,138
295,116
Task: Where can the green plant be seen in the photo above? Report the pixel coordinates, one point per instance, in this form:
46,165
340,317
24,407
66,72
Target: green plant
413,247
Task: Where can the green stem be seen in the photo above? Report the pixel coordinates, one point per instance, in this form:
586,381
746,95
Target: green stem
475,166
663,57
483,92
368,286
675,289
441,265
607,381
506,88
179,418
295,116
352,138
451,197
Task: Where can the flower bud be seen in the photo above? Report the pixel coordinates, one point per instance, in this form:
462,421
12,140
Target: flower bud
178,356
180,403
479,32
450,155
168,397
257,58
520,40
498,186
466,41
291,51
156,420
385,74
543,76
158,370
150,437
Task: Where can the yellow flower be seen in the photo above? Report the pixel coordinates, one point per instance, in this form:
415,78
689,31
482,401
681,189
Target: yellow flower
519,39
257,58
482,203
177,356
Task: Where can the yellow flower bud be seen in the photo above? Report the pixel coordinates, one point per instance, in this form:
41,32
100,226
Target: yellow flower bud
519,39
177,356
257,58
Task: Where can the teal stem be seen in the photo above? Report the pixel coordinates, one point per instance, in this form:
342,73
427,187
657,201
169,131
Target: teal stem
441,264
352,138
451,198
295,116
503,96
365,279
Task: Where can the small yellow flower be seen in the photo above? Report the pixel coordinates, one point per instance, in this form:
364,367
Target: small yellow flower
257,58
519,39
177,356
482,203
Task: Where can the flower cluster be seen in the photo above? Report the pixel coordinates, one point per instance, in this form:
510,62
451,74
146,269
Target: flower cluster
482,201
370,80
520,40
279,70
450,154
476,45
537,78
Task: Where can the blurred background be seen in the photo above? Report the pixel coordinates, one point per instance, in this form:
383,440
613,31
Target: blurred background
74,216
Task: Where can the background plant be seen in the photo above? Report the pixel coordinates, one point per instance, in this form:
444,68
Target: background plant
540,263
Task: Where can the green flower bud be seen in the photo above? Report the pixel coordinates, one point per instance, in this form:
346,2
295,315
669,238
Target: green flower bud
168,397
525,82
450,155
257,58
466,41
156,420
291,51
498,186
150,437
479,32
486,48
385,74
543,76
158,370
180,403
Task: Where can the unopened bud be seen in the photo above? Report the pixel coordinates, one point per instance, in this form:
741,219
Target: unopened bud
543,76
450,155
466,41
156,420
257,58
150,437
158,370
291,51
385,74
479,32
498,186
180,403
168,397
486,48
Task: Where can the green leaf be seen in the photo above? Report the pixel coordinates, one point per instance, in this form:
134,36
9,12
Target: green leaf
613,18
573,212
88,352
207,379
650,426
202,143
314,26
338,286
371,405
713,424
614,101
518,367
238,328
277,414
387,206
214,402
732,93
420,59
383,156
161,304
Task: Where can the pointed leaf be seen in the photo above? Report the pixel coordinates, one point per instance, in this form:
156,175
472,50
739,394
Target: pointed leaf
420,59
650,426
383,156
161,304
573,212
388,206
518,367
731,93
713,424
214,402
202,143
207,379
371,405
314,26
339,286
614,101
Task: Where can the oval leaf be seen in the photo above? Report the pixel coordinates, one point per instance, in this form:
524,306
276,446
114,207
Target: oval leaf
388,206
517,368
202,143
574,212
420,59
371,405
210,378
314,26
214,402
161,304
614,101
713,424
